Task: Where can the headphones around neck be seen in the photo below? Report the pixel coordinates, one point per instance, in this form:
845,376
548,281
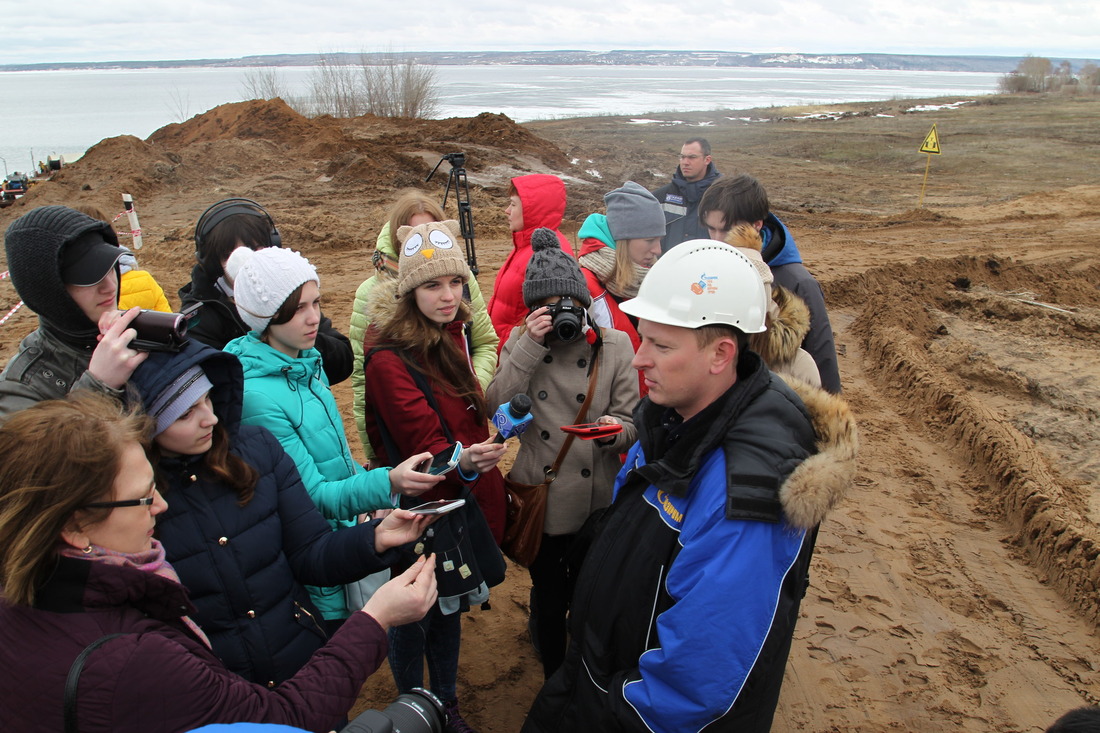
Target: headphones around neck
224,209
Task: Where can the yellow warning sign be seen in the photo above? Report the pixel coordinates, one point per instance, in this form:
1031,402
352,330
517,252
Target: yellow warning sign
931,142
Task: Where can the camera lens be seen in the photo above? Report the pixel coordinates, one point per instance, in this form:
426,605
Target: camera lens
162,328
416,711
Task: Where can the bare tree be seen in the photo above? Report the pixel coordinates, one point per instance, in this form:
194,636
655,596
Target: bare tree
1037,70
398,87
335,89
179,104
263,83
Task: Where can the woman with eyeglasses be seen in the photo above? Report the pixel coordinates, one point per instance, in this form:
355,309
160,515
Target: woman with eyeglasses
88,595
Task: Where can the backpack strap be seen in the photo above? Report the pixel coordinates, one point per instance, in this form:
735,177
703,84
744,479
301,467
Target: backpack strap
72,682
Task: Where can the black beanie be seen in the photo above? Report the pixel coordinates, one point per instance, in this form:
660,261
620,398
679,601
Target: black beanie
33,244
552,271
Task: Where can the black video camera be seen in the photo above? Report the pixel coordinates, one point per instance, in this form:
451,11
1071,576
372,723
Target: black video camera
416,711
566,319
158,331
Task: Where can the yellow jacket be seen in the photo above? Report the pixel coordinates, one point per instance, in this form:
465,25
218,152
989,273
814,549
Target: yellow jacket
139,288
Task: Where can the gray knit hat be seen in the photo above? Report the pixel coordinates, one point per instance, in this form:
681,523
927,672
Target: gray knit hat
265,282
552,271
184,391
634,213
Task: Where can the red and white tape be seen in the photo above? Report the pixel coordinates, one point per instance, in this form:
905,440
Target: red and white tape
11,312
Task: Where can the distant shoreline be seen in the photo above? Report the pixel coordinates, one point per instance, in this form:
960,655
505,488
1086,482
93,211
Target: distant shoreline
879,61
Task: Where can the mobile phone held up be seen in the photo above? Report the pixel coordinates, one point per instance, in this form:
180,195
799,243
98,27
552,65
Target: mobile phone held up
438,507
593,430
443,461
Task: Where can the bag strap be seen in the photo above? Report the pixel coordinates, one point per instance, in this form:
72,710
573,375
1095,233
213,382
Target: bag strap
552,472
73,680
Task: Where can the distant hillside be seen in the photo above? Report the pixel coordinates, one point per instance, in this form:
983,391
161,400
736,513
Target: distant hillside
901,62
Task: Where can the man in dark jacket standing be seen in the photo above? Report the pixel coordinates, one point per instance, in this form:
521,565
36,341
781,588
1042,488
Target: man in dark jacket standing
226,225
743,200
686,602
680,199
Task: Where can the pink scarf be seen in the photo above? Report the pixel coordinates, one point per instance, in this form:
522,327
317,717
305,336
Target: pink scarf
152,561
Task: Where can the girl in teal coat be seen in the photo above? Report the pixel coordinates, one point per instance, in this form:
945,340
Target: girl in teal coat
277,293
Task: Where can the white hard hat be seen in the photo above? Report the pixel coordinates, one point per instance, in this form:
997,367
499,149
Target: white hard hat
699,283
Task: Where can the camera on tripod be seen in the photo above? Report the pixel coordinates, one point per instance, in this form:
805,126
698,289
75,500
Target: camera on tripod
457,179
416,711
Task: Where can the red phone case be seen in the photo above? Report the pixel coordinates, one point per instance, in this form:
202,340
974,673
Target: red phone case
591,430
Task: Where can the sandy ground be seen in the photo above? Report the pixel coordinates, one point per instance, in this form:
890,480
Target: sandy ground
957,586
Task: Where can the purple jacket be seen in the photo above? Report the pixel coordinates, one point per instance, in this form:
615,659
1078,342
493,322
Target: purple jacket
159,676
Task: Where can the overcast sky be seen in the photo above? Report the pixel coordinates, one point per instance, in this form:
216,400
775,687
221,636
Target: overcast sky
72,30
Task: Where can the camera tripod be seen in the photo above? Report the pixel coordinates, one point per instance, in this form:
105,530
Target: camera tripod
457,180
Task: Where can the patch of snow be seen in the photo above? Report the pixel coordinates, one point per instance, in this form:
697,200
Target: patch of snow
938,107
593,172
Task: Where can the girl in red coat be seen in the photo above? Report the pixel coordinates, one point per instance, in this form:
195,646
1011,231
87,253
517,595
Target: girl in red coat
421,394
534,202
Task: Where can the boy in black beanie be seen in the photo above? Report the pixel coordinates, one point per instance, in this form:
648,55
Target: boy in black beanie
64,265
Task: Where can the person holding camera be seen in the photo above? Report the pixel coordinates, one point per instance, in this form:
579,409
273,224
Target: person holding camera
89,596
277,292
422,394
64,265
552,358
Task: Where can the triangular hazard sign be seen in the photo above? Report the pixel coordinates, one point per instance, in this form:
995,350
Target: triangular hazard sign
931,142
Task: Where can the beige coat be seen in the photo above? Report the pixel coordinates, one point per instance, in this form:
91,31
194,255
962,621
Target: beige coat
556,380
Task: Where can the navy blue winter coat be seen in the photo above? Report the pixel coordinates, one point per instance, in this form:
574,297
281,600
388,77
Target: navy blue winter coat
245,566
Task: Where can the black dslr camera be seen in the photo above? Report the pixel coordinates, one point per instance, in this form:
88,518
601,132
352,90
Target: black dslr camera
157,331
566,319
417,711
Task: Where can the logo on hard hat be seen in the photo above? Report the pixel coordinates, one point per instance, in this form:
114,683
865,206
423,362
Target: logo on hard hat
705,284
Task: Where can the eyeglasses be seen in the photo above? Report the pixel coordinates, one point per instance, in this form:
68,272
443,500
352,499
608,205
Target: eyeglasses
690,157
144,501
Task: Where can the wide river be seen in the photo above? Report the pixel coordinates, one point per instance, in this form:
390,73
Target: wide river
66,112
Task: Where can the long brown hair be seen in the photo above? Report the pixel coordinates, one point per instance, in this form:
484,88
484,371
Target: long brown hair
56,457
426,347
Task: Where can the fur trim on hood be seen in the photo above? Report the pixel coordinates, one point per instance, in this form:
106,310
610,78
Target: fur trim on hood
821,481
382,302
788,324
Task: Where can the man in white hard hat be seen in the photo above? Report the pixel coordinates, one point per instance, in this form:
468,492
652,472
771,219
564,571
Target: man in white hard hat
686,602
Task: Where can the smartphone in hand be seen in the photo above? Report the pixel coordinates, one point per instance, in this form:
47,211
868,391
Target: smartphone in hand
443,461
593,430
438,507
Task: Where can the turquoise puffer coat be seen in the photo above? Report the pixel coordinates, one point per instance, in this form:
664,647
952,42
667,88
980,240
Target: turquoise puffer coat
291,398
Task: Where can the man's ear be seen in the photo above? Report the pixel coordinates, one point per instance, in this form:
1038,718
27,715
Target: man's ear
723,354
758,224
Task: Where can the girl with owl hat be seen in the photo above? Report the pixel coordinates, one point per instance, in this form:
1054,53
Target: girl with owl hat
422,395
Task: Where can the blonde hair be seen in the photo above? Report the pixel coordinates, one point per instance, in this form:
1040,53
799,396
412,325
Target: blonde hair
621,279
56,457
407,205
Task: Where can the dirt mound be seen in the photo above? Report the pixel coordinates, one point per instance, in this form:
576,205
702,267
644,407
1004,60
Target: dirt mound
948,362
271,119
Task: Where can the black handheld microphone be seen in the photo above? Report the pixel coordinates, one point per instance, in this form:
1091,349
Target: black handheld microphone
512,418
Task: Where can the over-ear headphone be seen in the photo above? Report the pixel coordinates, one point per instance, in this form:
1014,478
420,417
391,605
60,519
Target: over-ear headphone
224,209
